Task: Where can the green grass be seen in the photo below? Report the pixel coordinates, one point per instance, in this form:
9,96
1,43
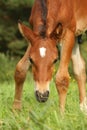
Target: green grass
37,116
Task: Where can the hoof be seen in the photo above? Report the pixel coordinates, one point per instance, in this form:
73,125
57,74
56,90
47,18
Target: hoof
83,106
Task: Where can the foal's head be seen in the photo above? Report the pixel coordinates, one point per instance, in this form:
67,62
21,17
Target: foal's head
43,54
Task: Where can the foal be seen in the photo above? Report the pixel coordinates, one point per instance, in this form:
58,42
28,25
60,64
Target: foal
53,22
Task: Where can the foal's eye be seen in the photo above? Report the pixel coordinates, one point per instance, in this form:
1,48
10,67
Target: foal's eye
31,61
55,61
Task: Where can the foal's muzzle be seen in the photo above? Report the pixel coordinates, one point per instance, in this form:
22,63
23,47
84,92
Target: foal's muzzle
42,97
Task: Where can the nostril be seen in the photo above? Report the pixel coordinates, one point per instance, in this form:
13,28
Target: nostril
46,94
37,94
42,97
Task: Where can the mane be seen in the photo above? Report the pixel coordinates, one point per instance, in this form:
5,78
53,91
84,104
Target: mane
44,16
44,10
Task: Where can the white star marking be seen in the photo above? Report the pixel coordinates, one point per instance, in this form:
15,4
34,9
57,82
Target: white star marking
42,52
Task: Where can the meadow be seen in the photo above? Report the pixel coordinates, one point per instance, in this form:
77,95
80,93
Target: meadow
40,116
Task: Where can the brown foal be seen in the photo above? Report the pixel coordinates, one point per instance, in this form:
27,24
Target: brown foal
53,22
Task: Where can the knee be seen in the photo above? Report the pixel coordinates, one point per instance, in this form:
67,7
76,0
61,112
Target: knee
20,73
62,83
80,69
78,65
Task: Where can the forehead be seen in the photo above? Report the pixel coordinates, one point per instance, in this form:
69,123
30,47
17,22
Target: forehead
43,48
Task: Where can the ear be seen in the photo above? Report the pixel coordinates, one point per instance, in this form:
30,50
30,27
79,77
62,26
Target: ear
26,32
56,31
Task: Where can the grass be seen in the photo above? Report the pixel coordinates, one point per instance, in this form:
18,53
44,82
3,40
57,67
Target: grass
37,116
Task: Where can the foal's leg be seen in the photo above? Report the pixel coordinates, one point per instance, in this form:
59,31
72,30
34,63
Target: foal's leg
62,77
80,74
20,75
